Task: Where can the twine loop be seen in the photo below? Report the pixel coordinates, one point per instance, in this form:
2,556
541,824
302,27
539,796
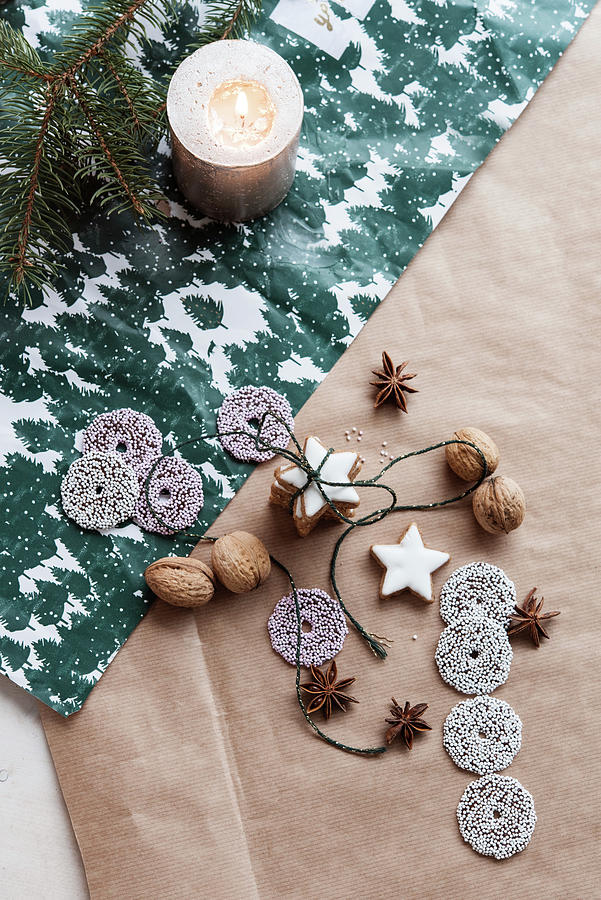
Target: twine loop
376,644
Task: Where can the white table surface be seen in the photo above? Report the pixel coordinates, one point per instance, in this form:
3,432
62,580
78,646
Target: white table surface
39,857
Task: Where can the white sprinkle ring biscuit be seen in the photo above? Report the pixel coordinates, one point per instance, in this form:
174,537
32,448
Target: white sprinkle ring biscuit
99,491
477,589
474,656
496,816
482,735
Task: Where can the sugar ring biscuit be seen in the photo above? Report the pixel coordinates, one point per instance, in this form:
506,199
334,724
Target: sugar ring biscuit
175,493
130,434
328,627
99,491
474,655
496,816
243,411
477,589
482,735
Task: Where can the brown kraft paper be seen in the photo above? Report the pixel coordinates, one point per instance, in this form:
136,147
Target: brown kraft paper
190,772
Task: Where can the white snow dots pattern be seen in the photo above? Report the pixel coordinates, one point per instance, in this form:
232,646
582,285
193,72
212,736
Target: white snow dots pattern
404,99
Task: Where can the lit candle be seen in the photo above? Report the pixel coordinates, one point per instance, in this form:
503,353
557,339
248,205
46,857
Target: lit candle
241,114
235,110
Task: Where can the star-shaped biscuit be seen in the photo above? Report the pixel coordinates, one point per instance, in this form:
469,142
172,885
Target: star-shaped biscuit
341,467
408,565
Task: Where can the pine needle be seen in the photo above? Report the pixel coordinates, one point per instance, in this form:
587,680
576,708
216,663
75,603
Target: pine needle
227,20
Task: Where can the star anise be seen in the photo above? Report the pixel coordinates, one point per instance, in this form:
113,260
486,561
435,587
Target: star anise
391,383
407,721
327,693
529,617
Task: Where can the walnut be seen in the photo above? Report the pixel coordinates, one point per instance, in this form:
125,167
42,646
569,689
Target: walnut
499,505
181,581
465,461
240,561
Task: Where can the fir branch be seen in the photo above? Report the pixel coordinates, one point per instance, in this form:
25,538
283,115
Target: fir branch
18,57
36,200
113,157
227,19
102,141
87,116
122,88
23,71
20,261
114,20
138,96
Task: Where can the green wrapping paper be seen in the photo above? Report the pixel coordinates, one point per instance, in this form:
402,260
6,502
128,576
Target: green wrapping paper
404,100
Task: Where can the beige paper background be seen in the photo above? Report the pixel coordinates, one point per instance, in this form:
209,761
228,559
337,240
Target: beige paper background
190,771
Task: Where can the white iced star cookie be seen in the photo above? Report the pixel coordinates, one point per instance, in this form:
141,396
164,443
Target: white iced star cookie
408,565
341,467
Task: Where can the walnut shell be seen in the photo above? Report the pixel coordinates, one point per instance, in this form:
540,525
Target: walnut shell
181,581
499,505
464,461
240,561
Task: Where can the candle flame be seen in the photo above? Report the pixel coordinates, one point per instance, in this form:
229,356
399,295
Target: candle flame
241,105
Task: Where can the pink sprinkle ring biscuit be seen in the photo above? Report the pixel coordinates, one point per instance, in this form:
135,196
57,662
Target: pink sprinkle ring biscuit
175,493
327,627
132,435
244,411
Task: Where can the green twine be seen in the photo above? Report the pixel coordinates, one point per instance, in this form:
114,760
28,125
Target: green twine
378,514
368,751
299,459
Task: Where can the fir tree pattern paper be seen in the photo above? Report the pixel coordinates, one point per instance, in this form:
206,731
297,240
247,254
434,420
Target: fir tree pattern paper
404,100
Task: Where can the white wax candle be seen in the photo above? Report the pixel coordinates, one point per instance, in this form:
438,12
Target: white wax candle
235,110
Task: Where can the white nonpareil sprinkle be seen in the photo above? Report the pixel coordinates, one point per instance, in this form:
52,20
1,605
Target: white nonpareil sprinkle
496,816
482,735
474,655
328,627
477,589
99,491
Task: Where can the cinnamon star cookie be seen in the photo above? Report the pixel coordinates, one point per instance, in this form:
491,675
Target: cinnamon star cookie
408,565
340,468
